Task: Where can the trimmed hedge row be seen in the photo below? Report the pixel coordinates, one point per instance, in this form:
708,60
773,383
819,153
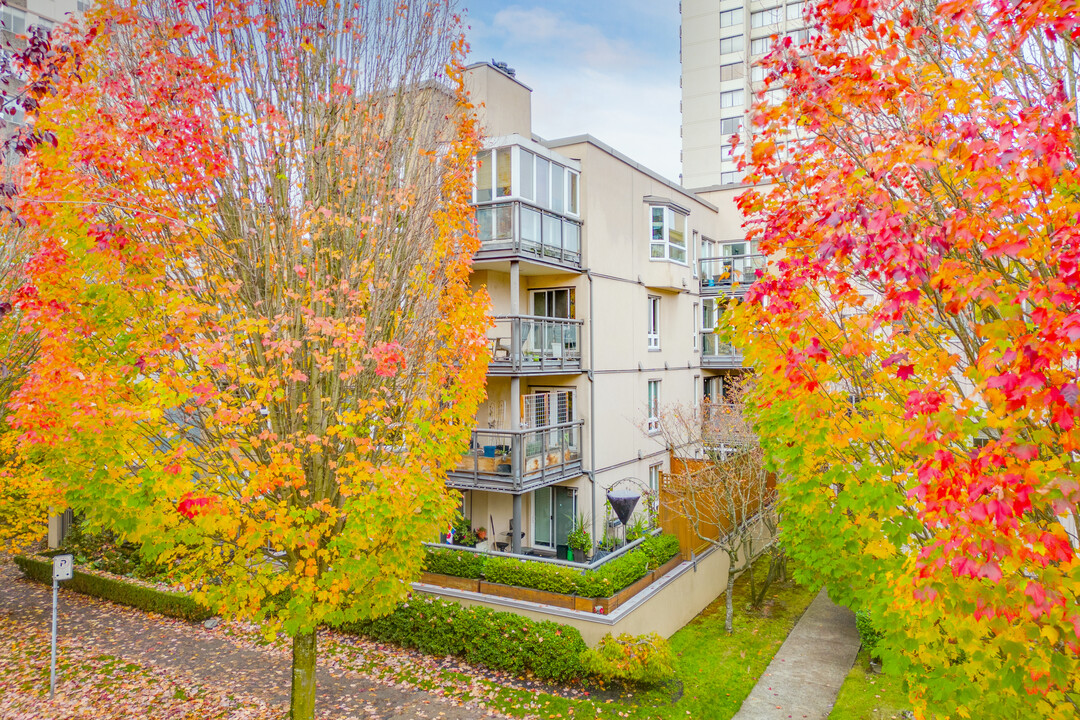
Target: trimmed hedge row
604,581
482,636
162,602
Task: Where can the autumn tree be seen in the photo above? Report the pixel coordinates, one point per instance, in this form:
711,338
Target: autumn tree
25,499
916,340
258,348
719,485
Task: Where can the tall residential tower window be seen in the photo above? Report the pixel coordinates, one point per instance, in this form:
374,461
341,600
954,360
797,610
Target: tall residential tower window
653,330
668,240
766,17
731,17
731,44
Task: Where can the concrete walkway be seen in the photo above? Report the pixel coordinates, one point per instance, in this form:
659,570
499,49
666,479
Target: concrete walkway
805,675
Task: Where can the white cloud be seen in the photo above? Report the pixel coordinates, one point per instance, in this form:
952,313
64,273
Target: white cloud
586,82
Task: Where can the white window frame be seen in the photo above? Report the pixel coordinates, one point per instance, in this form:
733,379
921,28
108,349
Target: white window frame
693,327
730,177
652,327
731,18
766,17
795,11
652,406
654,486
14,19
760,46
665,248
735,71
727,122
732,98
732,44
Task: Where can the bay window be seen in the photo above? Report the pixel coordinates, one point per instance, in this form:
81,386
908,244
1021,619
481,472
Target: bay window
668,241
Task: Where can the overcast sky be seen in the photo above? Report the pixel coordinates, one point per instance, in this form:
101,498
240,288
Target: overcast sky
609,68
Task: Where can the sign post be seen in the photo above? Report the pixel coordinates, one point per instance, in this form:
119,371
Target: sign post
63,565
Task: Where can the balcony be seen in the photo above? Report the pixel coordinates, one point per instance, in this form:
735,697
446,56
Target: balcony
516,230
531,345
517,461
717,354
729,275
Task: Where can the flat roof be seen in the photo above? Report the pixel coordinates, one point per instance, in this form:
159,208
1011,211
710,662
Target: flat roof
578,139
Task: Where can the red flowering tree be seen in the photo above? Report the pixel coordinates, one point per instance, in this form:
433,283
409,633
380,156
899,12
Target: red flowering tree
258,349
917,337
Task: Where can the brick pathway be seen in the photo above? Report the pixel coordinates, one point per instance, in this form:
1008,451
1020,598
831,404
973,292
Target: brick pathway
211,658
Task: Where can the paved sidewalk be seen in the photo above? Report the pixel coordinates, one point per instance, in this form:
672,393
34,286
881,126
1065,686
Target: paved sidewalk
210,658
805,675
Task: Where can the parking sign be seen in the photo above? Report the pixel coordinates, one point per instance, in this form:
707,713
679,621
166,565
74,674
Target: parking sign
62,565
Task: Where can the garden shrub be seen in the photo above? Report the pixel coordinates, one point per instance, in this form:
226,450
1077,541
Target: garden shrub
454,562
530,574
162,602
869,634
629,659
498,640
605,581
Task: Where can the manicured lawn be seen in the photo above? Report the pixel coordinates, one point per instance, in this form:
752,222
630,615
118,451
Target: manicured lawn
717,671
867,696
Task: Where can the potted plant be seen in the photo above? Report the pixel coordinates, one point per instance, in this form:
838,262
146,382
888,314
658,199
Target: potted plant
579,540
481,533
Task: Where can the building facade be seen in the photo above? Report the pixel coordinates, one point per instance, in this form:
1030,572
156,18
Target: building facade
720,42
601,319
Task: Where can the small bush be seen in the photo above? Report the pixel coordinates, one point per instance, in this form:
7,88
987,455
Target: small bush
605,581
641,660
498,640
530,574
870,635
455,563
125,593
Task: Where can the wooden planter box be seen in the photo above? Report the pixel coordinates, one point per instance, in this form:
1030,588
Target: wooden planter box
449,581
570,602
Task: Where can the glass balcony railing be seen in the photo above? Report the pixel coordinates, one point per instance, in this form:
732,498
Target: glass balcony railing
519,460
729,274
519,228
528,343
715,353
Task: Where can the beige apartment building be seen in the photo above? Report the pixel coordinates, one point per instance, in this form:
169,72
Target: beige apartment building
604,309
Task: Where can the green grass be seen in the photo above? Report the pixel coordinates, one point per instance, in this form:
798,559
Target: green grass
867,696
717,671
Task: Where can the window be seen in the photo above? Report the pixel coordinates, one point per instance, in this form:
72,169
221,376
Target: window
693,330
554,303
653,328
731,44
799,37
14,19
692,249
708,247
731,98
492,174
730,177
543,182
571,192
760,46
696,396
730,126
653,407
42,23
668,239
528,175
774,97
731,17
758,73
795,11
731,71
654,488
765,17
708,314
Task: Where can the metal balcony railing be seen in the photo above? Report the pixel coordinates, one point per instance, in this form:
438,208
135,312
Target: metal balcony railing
729,274
529,343
715,353
519,460
521,229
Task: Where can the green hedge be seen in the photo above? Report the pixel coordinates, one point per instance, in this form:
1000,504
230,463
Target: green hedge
162,602
604,581
482,636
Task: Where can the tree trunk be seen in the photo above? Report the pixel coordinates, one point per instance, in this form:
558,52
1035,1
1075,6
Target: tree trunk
728,594
303,677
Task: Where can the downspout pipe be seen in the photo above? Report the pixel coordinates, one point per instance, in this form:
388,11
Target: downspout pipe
592,405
